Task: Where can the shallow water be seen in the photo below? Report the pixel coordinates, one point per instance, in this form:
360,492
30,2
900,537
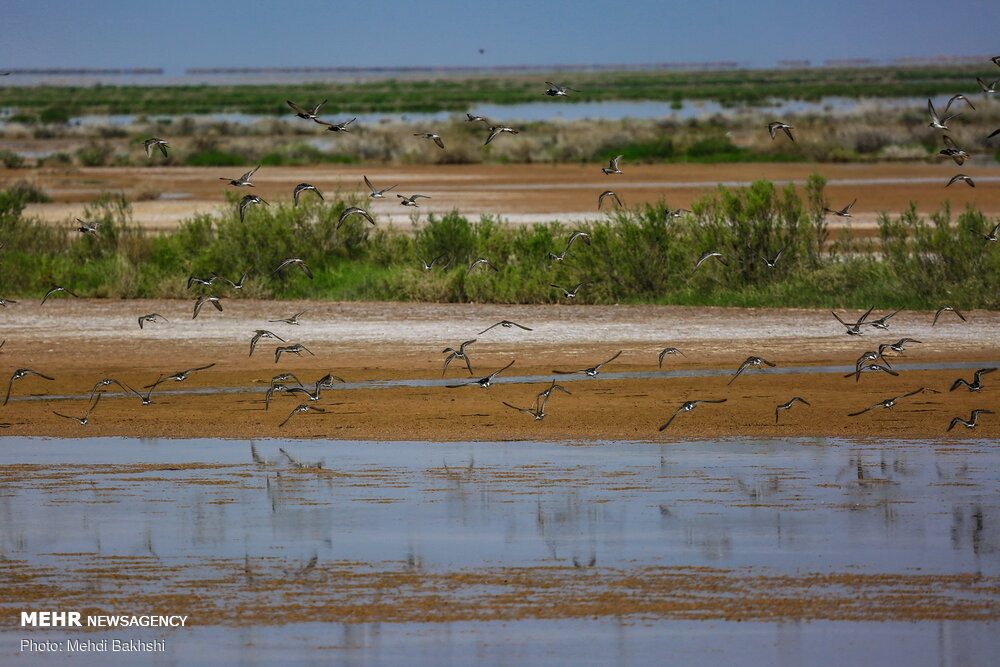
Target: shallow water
179,511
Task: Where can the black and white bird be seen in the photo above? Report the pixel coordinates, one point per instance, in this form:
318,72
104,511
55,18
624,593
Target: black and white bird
335,127
854,329
958,97
294,319
707,255
608,193
976,384
152,144
994,234
457,354
304,187
354,210
375,193
506,324
788,406
571,293
898,346
937,122
888,403
107,382
53,290
244,180
664,352
202,300
778,126
88,227
238,284
883,322
962,177
294,261
874,368
305,407
537,412
613,167
543,396
593,371
262,333
303,113
945,309
436,138
152,317
19,374
773,261
427,266
179,376
483,261
842,212
988,89
558,90
484,382
953,151
411,200
247,202
688,406
750,361
497,130
971,422
296,349
85,418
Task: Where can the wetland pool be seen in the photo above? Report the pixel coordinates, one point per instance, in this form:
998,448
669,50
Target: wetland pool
777,551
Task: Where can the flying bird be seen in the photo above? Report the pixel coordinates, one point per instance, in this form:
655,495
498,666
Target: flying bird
750,361
153,143
538,413
53,290
202,300
959,97
262,333
665,351
962,177
179,376
854,329
248,201
971,422
85,418
870,367
481,260
296,349
773,128
788,406
294,319
988,89
302,408
507,324
20,373
543,396
843,212
993,235
429,266
558,90
944,309
707,255
335,127
377,194
152,317
483,382
936,122
888,403
772,262
497,130
953,151
571,293
411,200
612,167
436,138
593,371
354,210
304,114
304,187
976,384
243,180
608,193
897,346
294,261
688,406
457,354
883,322
88,227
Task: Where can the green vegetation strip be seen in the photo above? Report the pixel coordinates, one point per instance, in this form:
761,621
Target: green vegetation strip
636,256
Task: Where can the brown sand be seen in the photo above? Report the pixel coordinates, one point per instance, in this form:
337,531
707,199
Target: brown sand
80,342
520,193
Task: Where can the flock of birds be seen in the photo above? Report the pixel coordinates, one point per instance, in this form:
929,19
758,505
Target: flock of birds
868,362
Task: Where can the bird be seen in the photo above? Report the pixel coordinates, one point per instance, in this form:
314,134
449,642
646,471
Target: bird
304,187
88,227
976,384
608,193
507,324
285,377
478,261
788,406
436,138
888,403
883,322
897,346
943,309
152,317
854,329
558,90
497,130
107,382
302,408
239,283
243,180
959,97
296,349
247,201
429,266
302,113
294,319
85,418
148,397
354,210
484,382
556,257
612,167
870,356
870,367
179,376
543,396
411,200
962,177
571,293
674,212
202,300
993,235
375,193
20,373
313,395
593,371
774,260
537,412
326,382
773,128
936,122
457,354
953,151
665,351
335,127
844,212
53,290
988,89
262,333
969,423
154,143
271,390
750,361
470,118
4,302
583,236
708,254
208,282
688,406
294,261
995,60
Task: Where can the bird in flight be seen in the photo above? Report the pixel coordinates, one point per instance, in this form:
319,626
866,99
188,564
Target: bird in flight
543,396
471,118
707,255
457,354
959,97
85,418
497,130
88,227
202,300
294,319
571,293
612,167
481,260
750,361
608,193
843,212
294,261
354,210
429,266
962,177
20,373
107,382
988,89
152,144
436,138
897,346
870,367
484,382
243,180
953,151
507,324
335,127
593,371
411,200
179,376
304,114
976,384
774,260
53,290
152,317
774,127
248,201
538,413
994,234
296,349
375,193
665,351
971,422
558,90
302,408
937,122
883,322
304,187
688,406
854,329
239,283
888,403
944,309
262,333
788,406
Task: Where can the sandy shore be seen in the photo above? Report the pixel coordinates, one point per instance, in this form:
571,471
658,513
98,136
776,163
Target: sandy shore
79,342
519,193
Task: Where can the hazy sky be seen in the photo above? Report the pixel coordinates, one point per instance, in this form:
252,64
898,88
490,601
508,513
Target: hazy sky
177,34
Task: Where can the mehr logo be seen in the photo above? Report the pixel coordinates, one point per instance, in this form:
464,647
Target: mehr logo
50,619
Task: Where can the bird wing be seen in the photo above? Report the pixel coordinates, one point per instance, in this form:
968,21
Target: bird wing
665,425
438,141
297,108
370,186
